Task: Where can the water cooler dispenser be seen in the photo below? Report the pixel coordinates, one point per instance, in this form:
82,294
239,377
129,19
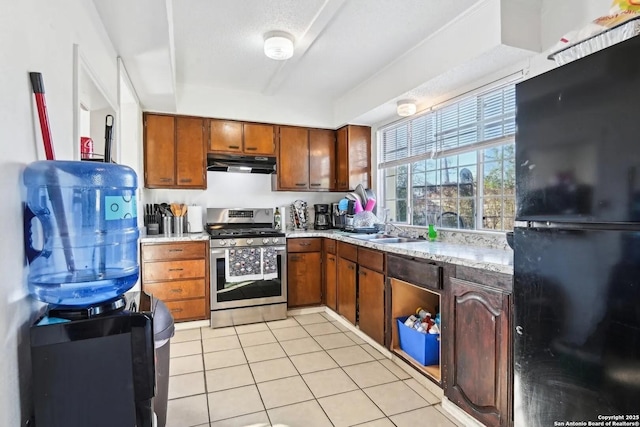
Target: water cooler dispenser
99,356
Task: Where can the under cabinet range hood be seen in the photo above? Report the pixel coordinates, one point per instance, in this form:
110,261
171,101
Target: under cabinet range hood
240,163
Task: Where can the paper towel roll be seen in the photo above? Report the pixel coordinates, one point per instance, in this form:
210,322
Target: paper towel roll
194,219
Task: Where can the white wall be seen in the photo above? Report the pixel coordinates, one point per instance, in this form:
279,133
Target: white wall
36,36
240,190
557,18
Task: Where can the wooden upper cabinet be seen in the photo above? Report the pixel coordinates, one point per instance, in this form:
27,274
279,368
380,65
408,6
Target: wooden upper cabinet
322,149
259,139
228,136
191,162
225,136
159,151
293,158
353,154
174,152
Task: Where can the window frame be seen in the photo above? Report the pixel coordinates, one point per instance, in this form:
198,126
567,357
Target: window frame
481,123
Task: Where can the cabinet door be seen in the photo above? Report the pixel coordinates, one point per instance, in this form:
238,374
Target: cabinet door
304,285
371,303
322,159
259,139
347,289
342,160
225,136
159,151
331,276
293,162
478,340
359,142
190,153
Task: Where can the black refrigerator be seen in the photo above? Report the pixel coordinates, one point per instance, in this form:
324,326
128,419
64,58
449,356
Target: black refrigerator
577,242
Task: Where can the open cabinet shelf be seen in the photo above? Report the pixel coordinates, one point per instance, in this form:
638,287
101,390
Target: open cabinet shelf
405,298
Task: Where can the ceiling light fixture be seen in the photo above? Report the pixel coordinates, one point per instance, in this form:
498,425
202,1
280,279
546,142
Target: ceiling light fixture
406,108
278,45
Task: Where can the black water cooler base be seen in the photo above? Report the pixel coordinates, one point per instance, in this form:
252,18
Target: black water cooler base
101,371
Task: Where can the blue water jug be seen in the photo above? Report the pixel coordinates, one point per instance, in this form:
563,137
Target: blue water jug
81,232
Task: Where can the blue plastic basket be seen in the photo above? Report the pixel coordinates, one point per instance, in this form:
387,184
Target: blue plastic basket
425,348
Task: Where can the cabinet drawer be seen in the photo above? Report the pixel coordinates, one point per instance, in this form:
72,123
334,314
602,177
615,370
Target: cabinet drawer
188,309
304,245
170,270
417,272
330,246
168,251
371,259
177,289
347,251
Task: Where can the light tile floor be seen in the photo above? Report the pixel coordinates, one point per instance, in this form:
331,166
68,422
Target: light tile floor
303,371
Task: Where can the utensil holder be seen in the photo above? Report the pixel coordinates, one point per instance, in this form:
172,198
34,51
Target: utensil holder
178,225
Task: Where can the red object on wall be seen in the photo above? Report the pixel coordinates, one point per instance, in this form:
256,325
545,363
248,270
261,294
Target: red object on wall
86,147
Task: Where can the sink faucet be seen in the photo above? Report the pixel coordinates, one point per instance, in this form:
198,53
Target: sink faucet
389,227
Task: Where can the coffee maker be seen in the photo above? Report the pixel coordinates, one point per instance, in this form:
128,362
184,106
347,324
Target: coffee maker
323,218
337,216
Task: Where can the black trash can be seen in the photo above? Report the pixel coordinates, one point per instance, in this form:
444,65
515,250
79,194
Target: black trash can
163,330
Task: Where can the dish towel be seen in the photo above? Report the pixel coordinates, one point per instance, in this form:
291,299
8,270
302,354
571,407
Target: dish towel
269,263
243,264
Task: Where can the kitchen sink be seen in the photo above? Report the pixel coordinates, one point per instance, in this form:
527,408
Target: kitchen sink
386,240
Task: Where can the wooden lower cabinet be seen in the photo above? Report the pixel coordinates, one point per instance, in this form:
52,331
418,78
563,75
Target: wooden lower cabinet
331,281
177,274
304,279
479,378
347,289
371,303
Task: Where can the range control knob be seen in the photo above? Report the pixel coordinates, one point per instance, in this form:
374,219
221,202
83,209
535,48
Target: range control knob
274,240
222,242
232,242
265,240
249,241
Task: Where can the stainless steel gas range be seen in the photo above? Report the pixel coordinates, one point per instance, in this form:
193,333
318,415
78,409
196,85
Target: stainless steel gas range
248,267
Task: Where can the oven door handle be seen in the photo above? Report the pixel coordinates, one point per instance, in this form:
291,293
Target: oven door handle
221,251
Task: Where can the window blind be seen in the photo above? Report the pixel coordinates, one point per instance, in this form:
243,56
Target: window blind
471,122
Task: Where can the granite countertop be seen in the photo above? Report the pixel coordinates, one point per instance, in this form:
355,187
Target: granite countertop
161,238
498,260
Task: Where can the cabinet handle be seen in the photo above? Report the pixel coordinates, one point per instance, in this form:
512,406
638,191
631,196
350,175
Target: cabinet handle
295,258
175,250
331,258
251,148
176,269
234,147
305,244
176,310
176,291
166,179
351,267
301,184
316,185
186,180
363,273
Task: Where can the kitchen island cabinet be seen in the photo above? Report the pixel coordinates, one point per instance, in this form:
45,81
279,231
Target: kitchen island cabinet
480,363
304,272
174,152
177,274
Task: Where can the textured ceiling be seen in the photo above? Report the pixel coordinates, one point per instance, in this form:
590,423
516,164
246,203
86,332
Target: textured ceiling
339,45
